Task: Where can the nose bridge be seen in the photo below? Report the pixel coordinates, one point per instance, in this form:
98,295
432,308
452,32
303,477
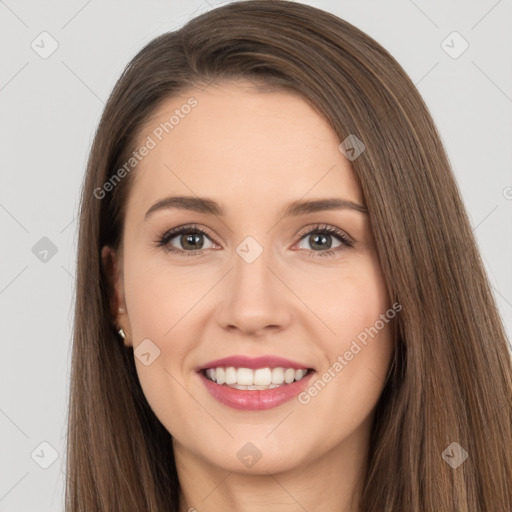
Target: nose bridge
255,298
251,264
252,277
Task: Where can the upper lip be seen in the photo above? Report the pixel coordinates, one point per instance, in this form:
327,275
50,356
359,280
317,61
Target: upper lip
267,361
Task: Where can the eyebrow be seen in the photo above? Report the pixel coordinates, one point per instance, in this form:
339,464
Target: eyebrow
293,209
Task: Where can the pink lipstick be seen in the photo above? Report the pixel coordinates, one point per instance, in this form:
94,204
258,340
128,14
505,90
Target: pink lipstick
245,383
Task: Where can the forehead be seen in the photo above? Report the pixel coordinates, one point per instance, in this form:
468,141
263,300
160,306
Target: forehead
234,142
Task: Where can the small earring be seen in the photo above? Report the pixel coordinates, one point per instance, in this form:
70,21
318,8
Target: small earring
121,333
121,310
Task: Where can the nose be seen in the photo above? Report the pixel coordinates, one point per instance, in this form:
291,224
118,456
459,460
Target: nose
256,299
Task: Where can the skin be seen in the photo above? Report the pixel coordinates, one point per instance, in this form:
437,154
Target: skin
254,152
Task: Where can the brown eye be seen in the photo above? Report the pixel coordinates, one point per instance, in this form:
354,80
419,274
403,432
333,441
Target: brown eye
320,239
183,240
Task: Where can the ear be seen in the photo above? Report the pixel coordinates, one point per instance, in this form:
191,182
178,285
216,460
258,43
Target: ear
112,267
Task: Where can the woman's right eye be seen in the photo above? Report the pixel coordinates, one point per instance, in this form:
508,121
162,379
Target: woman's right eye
188,237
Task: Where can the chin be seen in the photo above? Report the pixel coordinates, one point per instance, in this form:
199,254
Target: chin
255,458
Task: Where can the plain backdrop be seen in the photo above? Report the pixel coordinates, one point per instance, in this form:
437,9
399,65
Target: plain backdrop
50,108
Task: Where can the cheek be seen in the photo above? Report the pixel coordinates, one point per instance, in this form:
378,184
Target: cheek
158,299
359,351
163,305
158,296
150,306
353,301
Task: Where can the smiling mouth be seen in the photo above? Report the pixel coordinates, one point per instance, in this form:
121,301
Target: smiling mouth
254,379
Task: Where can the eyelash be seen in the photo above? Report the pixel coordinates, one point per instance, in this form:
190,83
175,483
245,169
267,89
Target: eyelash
322,229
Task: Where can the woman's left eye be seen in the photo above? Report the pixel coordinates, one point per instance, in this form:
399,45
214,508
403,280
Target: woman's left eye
322,236
191,237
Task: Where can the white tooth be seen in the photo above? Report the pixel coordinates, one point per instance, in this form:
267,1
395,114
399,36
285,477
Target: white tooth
299,374
245,376
230,375
252,388
289,375
277,376
262,377
220,375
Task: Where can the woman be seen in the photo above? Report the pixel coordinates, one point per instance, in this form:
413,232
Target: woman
261,370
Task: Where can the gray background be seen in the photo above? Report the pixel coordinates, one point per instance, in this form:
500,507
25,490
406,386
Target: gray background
50,109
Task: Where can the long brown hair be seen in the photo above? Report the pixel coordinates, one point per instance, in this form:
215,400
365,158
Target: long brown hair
451,376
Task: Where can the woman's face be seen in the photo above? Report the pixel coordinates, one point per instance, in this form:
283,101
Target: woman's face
264,281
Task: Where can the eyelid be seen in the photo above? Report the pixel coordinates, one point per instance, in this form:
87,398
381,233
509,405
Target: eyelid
178,230
329,228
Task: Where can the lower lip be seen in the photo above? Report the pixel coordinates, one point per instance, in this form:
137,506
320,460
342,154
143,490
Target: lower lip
255,400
